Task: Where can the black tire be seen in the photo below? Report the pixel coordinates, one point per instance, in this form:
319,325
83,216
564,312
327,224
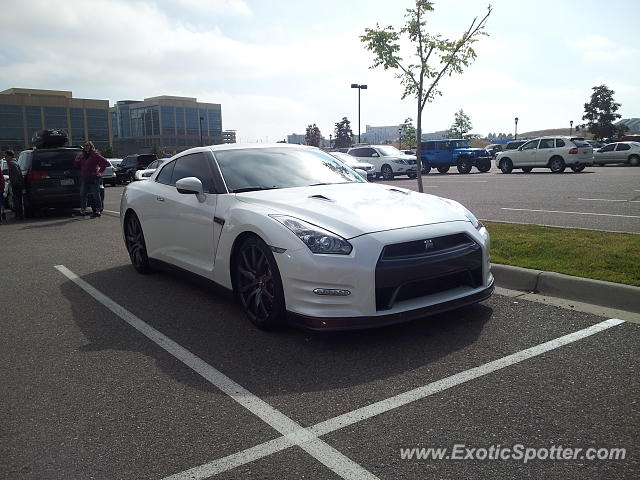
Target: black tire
132,176
634,160
578,168
483,166
505,165
412,175
443,169
136,246
527,169
258,285
464,165
557,165
387,172
426,168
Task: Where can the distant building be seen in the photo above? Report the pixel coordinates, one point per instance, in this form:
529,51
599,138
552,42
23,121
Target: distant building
436,135
375,135
24,111
632,123
296,138
229,136
166,124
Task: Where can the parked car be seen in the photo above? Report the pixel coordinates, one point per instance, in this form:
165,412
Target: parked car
51,179
443,154
494,149
387,160
595,144
109,175
4,171
290,229
147,172
126,170
555,153
354,163
619,152
514,144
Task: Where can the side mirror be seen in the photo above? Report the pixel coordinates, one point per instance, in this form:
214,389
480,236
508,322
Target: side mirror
361,172
190,185
375,155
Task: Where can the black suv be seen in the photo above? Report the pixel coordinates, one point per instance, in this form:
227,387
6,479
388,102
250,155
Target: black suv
126,170
51,178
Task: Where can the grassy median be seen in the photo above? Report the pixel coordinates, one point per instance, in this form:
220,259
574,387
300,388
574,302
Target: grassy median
614,257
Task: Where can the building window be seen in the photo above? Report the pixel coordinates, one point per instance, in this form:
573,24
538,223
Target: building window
168,120
34,120
193,127
11,132
77,125
55,117
98,126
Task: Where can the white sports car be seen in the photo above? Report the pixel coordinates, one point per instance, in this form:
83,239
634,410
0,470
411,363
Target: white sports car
298,235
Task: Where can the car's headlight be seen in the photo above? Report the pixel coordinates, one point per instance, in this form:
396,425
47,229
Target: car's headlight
477,224
317,239
400,161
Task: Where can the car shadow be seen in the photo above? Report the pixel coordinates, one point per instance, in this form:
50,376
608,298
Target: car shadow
213,327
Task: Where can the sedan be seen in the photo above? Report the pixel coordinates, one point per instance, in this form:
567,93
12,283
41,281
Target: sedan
356,164
619,152
299,236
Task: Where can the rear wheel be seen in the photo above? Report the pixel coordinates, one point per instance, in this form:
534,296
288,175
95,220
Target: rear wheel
527,169
483,166
578,168
426,168
136,246
464,165
634,160
505,165
557,165
387,172
443,169
258,284
412,175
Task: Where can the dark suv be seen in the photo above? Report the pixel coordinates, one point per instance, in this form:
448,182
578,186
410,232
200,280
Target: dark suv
126,170
51,178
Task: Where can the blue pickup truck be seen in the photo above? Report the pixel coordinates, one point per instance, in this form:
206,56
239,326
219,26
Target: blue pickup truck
443,154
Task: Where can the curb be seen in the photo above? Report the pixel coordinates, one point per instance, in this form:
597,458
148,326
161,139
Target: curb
587,290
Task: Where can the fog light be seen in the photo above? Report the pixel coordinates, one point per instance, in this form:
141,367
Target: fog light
331,291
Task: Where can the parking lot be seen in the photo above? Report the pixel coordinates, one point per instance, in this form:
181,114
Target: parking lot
110,374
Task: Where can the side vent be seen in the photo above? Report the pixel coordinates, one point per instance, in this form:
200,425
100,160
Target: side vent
404,192
321,197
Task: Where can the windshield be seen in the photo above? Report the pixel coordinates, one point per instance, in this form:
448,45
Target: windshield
60,160
389,151
266,168
459,144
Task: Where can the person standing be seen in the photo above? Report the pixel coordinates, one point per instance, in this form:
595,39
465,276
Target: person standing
92,166
16,181
1,197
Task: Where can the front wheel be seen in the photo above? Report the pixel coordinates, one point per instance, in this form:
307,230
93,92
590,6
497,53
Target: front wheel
412,175
258,284
136,246
634,160
484,166
505,165
463,165
443,169
387,172
578,168
557,165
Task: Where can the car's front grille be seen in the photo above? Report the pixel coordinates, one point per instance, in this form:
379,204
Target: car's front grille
455,261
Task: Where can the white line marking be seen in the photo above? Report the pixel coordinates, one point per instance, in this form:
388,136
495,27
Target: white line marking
556,226
572,213
259,451
601,200
462,181
112,211
293,431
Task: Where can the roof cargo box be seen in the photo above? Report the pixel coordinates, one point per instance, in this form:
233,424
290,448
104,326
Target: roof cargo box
50,138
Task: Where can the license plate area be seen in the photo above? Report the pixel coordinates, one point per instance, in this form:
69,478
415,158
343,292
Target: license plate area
67,181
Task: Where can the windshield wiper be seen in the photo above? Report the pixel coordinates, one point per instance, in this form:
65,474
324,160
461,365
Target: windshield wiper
252,189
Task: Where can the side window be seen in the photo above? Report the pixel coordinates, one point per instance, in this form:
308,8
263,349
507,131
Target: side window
560,142
608,148
357,152
622,146
530,145
153,164
429,146
194,165
368,152
165,174
546,143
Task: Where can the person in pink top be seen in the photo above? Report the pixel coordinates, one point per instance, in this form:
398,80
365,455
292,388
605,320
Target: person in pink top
92,165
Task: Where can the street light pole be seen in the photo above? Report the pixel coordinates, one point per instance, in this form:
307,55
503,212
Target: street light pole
570,127
399,138
201,119
359,87
515,137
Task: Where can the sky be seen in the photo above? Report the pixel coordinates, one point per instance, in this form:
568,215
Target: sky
277,66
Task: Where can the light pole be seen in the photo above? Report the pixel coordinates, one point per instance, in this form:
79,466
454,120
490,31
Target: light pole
570,127
201,119
399,138
330,140
359,87
515,137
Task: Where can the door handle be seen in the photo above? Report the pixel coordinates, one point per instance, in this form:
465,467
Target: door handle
160,199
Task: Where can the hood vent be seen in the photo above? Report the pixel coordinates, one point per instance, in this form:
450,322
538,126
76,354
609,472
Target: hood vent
404,192
321,197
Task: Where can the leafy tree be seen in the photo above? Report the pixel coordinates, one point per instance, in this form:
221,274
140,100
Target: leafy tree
461,124
313,136
408,137
621,129
600,112
432,57
343,134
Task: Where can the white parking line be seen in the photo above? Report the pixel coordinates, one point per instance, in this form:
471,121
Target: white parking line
268,448
112,211
570,213
601,200
293,431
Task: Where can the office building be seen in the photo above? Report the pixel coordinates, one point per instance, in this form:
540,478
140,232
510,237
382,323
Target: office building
164,124
229,136
24,111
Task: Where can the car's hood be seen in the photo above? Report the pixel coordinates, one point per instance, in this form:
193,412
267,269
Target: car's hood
356,208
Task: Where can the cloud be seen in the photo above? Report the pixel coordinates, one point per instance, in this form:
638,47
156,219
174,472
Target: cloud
598,48
232,7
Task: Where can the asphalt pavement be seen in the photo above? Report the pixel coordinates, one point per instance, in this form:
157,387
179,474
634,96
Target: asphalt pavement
599,198
110,374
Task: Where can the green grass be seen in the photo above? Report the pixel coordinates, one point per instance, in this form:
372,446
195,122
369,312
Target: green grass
614,257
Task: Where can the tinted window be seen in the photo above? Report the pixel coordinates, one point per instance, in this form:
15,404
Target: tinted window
608,148
530,145
622,146
128,161
429,146
580,143
194,165
165,174
63,160
357,152
153,164
145,160
560,142
266,168
546,143
389,151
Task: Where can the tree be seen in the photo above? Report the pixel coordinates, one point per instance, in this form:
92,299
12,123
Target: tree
313,136
621,129
461,124
408,137
343,134
600,112
417,75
